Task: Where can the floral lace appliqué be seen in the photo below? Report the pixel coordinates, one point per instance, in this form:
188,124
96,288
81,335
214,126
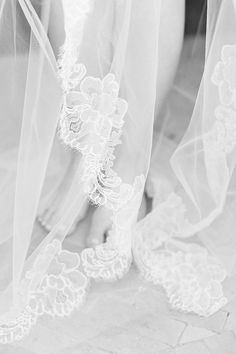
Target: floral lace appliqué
55,286
224,76
191,277
110,261
62,287
223,134
92,115
58,281
91,122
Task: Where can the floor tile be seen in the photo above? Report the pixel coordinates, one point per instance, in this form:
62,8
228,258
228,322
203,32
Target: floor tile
222,344
45,340
193,348
13,349
194,334
214,323
162,328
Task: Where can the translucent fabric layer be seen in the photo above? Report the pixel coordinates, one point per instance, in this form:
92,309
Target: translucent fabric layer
70,85
187,244
79,79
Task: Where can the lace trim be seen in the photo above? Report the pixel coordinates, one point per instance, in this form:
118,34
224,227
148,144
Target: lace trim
110,261
187,272
59,280
92,115
223,134
191,277
91,122
55,286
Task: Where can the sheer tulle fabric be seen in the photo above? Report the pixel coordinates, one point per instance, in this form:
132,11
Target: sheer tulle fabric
98,98
79,100
186,243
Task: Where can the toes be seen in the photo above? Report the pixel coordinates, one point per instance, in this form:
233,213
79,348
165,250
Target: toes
47,218
79,218
52,215
83,212
101,223
143,208
44,223
49,215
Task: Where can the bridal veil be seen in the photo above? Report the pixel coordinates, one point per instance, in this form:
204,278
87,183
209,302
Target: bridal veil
87,83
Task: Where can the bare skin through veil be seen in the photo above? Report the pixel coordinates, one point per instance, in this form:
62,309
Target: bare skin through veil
83,87
170,39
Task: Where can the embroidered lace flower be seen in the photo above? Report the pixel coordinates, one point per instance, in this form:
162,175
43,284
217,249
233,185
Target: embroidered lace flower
191,277
91,122
58,281
54,286
224,75
224,130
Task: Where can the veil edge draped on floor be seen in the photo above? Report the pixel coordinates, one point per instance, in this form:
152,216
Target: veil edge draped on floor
98,98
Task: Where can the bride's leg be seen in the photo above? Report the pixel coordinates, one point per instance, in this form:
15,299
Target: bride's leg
51,212
171,33
97,66
170,44
56,31
52,13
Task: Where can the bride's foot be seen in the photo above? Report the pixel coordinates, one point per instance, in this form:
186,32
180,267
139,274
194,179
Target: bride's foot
52,213
101,223
52,210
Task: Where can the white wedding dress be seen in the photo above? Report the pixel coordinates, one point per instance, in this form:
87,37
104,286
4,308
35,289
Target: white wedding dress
99,99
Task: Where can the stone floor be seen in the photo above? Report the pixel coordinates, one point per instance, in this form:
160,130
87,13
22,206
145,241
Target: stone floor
131,316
